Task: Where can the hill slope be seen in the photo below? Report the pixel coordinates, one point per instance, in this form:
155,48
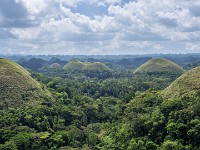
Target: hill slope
74,65
96,66
159,66
77,65
55,65
186,85
17,86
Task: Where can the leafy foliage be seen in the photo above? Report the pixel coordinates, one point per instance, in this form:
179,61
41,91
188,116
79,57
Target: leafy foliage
101,111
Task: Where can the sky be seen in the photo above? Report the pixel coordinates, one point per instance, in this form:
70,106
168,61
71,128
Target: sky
99,27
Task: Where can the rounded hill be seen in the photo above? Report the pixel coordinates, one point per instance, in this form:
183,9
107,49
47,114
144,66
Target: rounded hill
96,66
159,66
17,86
77,65
186,85
55,66
74,65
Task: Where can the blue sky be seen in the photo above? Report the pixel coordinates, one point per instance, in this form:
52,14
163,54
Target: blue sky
102,27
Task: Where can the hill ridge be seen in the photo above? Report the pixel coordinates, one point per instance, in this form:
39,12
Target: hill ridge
159,65
77,65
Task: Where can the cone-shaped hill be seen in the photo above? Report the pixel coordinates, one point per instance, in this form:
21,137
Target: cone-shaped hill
96,66
159,66
55,66
186,85
74,65
17,86
77,65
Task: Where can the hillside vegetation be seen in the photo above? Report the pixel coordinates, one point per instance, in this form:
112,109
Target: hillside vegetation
92,110
96,66
55,65
159,66
185,86
17,84
77,65
74,65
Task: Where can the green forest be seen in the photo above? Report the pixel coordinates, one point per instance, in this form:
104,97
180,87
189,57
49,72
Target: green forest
99,105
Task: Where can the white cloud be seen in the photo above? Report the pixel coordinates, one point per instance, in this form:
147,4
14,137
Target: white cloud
71,52
34,6
75,3
107,2
96,51
26,34
123,27
194,47
71,3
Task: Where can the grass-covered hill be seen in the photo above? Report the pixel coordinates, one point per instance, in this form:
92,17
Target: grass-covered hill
74,65
187,85
55,65
159,66
77,65
17,86
96,66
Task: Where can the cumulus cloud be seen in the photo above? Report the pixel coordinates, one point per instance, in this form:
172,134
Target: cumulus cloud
15,15
194,10
168,22
34,7
13,9
193,47
75,3
128,26
6,34
96,51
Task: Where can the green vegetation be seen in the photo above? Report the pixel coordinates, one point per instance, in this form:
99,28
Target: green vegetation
96,66
74,65
17,86
96,110
55,66
188,85
33,63
159,66
77,65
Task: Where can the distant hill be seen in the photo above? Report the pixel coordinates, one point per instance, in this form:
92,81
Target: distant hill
17,86
96,66
55,65
186,85
159,66
74,65
57,60
77,65
33,63
133,62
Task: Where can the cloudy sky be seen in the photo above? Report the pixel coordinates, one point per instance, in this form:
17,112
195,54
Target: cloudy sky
99,26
